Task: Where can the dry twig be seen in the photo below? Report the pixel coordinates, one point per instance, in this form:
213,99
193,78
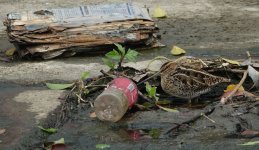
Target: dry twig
224,100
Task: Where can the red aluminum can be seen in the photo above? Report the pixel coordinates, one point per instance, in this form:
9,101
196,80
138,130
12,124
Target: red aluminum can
120,95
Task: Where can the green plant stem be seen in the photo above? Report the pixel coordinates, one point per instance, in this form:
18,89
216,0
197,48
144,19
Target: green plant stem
95,86
120,62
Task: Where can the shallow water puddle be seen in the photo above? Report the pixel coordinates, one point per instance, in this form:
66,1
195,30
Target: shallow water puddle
14,117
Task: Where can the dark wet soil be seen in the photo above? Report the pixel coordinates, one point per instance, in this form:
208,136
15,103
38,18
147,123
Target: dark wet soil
134,130
154,129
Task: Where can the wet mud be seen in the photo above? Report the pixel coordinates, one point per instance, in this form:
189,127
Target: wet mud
14,117
154,129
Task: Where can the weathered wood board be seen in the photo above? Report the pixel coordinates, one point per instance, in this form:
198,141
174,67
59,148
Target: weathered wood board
50,33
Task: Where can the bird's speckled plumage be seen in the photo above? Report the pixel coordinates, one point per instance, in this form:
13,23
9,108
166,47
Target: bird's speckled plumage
185,78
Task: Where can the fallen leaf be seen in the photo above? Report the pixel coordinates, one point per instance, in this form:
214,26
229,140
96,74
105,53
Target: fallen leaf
56,145
233,62
168,109
241,93
2,131
225,64
159,12
102,146
5,59
257,98
231,87
154,133
93,115
48,130
246,62
10,52
138,77
254,74
53,86
85,75
177,51
250,143
238,93
60,141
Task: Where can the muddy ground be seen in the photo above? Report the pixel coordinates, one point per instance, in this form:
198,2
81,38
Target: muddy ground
205,28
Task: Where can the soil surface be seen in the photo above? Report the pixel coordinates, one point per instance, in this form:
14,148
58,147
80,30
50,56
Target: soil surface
204,28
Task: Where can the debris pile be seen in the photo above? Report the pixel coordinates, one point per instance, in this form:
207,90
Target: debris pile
50,33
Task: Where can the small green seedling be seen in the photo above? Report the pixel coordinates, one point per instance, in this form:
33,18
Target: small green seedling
117,56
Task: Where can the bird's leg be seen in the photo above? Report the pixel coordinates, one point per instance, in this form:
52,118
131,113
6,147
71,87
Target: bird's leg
189,102
196,100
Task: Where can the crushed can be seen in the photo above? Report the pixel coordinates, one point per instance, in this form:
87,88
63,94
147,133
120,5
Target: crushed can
119,96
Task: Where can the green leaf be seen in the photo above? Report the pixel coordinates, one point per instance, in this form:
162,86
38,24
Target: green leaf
86,91
53,86
85,75
154,133
148,87
167,109
115,55
120,48
60,141
48,130
102,146
250,143
131,55
10,52
163,102
108,62
148,105
151,91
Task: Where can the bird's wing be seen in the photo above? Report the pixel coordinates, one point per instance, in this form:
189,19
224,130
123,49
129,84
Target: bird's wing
196,78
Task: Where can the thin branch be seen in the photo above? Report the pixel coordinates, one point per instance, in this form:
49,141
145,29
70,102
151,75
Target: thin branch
154,75
157,58
109,75
191,120
80,98
87,86
208,118
231,94
144,97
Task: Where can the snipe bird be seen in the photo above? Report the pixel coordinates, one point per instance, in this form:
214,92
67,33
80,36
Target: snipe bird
184,78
